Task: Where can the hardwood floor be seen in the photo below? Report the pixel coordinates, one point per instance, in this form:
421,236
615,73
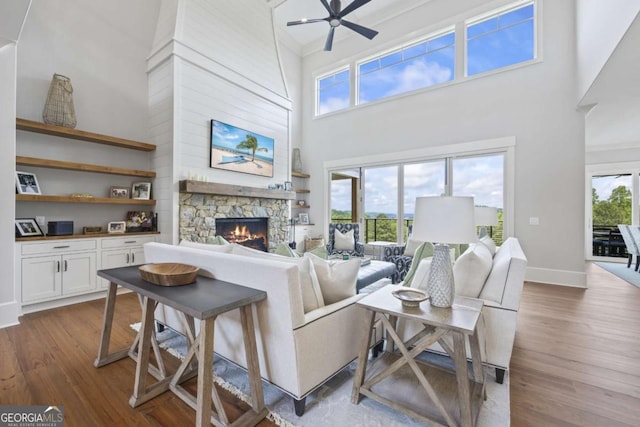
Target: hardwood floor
576,361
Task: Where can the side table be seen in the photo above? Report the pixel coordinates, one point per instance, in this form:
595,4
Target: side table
451,397
204,299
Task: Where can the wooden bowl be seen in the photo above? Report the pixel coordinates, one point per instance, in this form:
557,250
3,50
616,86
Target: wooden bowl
410,298
169,273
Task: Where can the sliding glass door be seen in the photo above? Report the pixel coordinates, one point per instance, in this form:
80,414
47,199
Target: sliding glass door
612,198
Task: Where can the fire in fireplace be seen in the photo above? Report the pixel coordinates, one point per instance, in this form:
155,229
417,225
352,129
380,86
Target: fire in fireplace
250,232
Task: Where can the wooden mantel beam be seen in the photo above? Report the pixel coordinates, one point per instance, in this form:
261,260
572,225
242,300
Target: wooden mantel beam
200,187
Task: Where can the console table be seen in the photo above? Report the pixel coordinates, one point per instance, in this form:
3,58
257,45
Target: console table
204,300
423,391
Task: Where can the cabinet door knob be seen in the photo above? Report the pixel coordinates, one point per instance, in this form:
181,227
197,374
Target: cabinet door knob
65,265
127,258
57,266
130,241
61,247
133,258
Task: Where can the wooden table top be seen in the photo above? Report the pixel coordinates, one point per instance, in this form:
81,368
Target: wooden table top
462,316
202,299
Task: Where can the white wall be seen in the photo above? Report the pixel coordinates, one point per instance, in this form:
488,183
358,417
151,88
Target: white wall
9,307
536,104
102,47
600,27
223,66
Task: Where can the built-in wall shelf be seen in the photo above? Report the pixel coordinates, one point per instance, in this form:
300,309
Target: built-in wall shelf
84,236
71,199
201,187
84,167
302,190
300,207
300,175
43,128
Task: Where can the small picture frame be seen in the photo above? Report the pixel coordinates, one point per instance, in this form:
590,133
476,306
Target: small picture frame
27,183
303,218
288,186
119,192
27,227
116,227
141,190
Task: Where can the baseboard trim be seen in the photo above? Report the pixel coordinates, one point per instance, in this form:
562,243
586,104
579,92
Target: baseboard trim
9,314
575,279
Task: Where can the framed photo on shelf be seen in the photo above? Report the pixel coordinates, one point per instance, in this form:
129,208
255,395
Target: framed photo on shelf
141,190
27,183
303,218
27,227
119,192
116,227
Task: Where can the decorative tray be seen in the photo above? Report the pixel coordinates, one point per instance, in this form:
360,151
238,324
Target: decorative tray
410,297
169,273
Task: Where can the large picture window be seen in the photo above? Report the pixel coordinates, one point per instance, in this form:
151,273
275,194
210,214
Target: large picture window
423,64
333,92
501,40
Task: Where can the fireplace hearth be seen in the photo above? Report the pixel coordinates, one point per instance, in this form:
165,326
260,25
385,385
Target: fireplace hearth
249,232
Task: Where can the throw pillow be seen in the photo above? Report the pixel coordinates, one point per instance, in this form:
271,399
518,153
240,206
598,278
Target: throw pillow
425,250
489,243
411,246
309,285
337,278
471,270
344,241
422,274
285,250
205,246
217,240
320,251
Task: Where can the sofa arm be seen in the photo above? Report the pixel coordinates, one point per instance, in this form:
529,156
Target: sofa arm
329,309
403,264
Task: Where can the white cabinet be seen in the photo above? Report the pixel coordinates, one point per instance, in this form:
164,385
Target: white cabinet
122,252
50,271
55,270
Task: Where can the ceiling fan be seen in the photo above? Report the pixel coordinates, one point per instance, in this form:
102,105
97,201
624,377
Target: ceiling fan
335,19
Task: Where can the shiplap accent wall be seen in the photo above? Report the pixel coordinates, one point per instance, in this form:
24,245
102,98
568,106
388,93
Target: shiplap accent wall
221,63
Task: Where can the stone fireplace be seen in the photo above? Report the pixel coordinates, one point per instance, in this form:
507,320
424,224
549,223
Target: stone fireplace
202,204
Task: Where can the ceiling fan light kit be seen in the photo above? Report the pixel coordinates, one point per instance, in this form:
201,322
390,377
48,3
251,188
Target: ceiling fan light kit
336,19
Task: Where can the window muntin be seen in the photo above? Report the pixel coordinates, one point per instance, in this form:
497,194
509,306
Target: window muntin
417,66
501,40
332,92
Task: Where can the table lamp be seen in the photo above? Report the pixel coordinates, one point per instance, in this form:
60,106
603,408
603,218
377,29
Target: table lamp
443,221
486,217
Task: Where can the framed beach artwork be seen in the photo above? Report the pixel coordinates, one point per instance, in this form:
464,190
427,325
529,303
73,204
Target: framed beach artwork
239,150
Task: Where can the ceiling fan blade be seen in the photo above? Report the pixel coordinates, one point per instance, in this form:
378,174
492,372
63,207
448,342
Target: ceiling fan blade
367,32
326,6
353,6
304,21
329,43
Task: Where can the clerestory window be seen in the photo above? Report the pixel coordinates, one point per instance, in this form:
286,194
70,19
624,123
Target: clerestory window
332,92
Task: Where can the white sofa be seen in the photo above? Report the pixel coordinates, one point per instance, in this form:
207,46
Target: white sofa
298,351
501,291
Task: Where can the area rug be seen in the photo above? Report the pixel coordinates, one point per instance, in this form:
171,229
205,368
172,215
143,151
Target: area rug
621,270
330,405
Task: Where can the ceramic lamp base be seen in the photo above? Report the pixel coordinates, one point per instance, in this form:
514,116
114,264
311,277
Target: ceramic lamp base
440,284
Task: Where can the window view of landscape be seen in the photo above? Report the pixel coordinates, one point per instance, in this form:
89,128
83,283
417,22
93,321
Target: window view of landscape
611,200
478,176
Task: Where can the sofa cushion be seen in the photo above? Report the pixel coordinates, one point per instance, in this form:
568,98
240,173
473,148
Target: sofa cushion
206,246
344,241
425,250
309,285
337,278
505,281
471,269
489,243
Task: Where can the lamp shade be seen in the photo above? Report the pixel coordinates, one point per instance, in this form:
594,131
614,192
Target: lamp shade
486,215
444,220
